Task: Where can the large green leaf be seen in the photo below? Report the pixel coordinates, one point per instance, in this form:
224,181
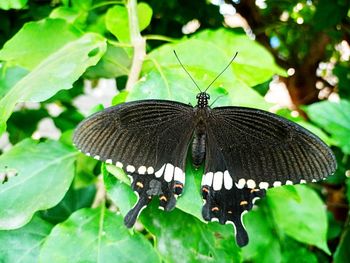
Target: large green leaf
264,245
57,72
183,238
23,244
95,235
39,175
9,77
36,41
118,24
304,219
12,4
335,119
164,78
253,64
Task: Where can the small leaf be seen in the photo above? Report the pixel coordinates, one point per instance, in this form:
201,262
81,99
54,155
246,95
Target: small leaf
144,13
117,20
335,119
95,235
57,72
36,41
23,244
43,174
304,220
12,4
120,97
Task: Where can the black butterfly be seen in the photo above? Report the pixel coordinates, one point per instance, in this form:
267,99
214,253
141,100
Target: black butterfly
245,151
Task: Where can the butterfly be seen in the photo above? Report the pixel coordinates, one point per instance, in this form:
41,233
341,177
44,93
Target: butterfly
245,151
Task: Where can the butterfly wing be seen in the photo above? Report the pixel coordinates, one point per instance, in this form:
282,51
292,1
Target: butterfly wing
149,139
263,150
224,201
249,150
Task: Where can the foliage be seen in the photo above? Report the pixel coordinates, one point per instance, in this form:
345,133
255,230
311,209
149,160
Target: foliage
58,205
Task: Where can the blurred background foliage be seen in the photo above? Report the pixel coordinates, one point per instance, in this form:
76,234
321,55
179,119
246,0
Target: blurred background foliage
64,59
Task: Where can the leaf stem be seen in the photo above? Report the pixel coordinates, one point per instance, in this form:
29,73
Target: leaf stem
118,2
161,38
100,196
138,42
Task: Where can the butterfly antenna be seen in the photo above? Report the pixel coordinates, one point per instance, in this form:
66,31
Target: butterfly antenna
222,71
186,71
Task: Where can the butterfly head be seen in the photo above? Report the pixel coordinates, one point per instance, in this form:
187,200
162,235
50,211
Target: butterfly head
202,99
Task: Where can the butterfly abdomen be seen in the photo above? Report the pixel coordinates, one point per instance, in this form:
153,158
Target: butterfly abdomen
198,149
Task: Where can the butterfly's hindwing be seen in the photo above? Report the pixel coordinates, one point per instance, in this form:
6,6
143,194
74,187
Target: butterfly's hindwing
149,140
225,201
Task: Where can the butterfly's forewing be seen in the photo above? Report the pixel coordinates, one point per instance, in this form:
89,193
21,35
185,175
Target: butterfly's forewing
264,150
149,139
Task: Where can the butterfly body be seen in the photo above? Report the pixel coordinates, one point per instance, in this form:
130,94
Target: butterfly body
245,151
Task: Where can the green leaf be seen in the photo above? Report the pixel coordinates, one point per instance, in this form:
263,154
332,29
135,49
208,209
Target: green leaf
164,77
9,77
264,245
304,220
348,189
342,253
343,75
74,200
335,119
119,192
69,14
12,4
57,72
253,64
120,97
183,238
22,124
296,252
36,41
144,14
114,63
84,171
117,20
191,200
329,13
95,235
41,174
23,244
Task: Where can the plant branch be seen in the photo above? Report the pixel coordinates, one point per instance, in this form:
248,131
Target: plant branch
138,42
